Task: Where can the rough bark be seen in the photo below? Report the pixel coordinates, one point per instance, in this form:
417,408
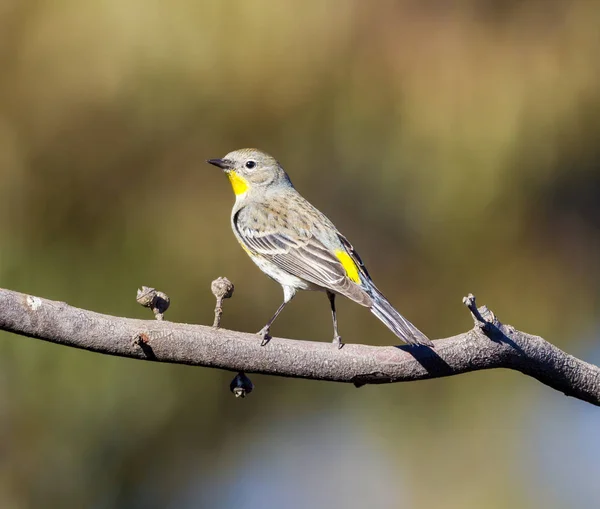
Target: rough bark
488,345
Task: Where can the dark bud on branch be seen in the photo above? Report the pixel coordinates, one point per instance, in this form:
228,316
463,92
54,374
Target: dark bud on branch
241,385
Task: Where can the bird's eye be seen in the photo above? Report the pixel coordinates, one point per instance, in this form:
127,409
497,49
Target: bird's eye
250,164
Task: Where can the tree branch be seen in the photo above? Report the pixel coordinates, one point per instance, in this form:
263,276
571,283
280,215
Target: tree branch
488,345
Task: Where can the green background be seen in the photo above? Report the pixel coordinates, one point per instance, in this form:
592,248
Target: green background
456,144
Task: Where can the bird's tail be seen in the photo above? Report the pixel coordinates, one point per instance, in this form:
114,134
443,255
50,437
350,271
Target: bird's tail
399,325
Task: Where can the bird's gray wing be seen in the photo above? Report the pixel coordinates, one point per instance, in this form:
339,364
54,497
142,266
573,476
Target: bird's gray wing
297,250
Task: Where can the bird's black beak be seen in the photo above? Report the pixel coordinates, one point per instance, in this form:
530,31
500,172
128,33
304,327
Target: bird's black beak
224,164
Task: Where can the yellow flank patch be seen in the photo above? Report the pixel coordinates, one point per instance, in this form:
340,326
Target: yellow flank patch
349,265
239,184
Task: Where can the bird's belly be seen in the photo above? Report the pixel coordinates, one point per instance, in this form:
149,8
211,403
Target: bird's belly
281,276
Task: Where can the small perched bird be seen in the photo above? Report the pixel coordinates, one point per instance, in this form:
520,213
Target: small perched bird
298,246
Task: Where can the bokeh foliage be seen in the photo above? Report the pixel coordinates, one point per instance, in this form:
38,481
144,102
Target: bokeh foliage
455,143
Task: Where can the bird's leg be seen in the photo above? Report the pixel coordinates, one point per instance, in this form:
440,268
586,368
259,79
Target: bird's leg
264,332
288,295
337,340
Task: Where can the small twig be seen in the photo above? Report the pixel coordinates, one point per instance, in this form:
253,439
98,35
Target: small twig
483,322
155,300
222,289
241,385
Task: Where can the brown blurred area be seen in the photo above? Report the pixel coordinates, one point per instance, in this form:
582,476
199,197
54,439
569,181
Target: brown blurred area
456,144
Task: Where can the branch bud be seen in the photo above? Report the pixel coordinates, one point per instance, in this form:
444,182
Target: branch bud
241,385
221,288
157,301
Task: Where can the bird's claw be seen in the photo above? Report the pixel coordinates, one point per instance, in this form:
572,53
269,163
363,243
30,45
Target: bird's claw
337,340
265,336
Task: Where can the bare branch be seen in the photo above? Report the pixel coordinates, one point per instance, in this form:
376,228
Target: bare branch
488,345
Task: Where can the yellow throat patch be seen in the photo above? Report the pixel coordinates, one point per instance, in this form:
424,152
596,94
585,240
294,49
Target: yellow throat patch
349,265
239,184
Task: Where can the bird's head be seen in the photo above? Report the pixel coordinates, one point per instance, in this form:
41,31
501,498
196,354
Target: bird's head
250,169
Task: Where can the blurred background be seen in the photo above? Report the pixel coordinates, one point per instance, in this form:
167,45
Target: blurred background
456,144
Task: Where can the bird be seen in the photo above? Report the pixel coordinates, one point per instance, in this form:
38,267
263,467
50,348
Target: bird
295,244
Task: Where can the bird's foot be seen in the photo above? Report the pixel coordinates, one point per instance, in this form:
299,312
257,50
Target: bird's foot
264,335
337,340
